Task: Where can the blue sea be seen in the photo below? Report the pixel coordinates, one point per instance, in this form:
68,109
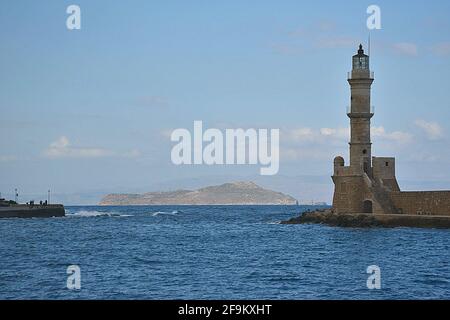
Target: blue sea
215,252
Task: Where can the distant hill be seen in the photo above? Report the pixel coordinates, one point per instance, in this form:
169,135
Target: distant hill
236,193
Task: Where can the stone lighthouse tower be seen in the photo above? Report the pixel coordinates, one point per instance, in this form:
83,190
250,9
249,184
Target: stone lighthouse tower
364,185
360,113
368,184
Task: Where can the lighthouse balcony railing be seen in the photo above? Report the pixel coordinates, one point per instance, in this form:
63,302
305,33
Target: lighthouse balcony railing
360,74
349,110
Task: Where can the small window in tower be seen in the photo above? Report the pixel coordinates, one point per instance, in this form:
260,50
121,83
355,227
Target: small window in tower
387,164
364,151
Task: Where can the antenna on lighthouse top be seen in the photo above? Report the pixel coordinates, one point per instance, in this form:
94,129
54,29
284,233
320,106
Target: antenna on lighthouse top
369,45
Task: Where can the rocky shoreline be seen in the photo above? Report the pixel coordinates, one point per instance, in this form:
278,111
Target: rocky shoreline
362,220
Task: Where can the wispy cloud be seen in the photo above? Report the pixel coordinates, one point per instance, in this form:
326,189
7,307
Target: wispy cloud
300,135
286,49
304,135
134,153
328,135
305,153
153,102
315,28
62,148
405,48
7,158
321,34
326,25
432,129
338,133
399,137
299,32
441,49
324,143
337,42
166,133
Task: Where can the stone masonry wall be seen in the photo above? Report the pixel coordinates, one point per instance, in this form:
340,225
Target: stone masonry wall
422,202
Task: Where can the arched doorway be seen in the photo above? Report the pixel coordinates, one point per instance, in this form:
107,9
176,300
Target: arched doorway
367,206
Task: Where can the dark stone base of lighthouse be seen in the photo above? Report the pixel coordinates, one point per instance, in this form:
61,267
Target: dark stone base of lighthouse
364,220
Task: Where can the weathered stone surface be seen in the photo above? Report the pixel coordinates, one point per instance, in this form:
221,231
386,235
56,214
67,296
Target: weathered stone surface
422,202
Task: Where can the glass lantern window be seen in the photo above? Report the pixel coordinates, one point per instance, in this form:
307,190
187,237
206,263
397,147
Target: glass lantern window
360,62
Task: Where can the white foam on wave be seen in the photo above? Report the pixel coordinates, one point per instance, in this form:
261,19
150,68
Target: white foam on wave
173,213
94,213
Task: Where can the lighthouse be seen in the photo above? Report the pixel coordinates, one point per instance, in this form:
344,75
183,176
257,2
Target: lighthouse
366,191
365,185
360,112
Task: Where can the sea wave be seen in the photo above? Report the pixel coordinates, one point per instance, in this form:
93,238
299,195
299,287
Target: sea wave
172,213
94,213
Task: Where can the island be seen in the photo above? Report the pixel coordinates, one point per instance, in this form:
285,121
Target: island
234,193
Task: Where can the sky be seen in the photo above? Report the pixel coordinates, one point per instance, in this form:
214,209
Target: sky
90,111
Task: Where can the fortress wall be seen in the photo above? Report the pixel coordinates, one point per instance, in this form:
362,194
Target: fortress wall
383,168
349,194
422,202
391,184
